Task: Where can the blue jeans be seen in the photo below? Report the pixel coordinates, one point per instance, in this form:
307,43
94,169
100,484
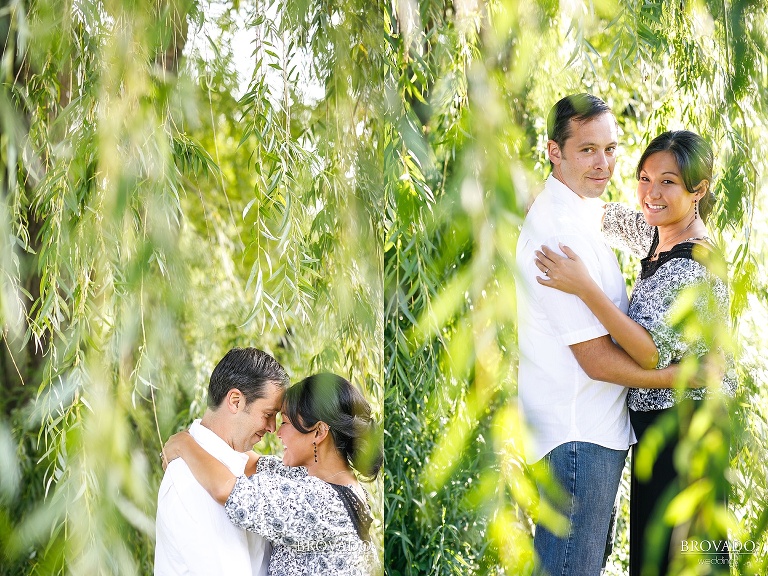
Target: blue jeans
589,475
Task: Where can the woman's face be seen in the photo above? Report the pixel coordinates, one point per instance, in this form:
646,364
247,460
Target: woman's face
298,447
661,191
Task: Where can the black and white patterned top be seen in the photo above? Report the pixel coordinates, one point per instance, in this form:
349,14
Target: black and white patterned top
305,519
654,298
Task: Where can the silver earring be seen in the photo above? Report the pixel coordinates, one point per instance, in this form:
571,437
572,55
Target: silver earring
315,446
695,209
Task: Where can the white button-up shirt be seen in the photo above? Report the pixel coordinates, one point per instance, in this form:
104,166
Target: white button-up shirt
194,535
558,401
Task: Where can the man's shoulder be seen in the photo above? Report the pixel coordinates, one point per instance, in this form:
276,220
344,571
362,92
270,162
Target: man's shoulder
180,485
552,226
548,216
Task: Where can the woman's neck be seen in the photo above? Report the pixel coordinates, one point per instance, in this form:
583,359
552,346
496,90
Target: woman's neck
672,234
333,470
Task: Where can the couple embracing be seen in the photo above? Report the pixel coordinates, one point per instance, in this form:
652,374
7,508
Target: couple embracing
223,509
598,371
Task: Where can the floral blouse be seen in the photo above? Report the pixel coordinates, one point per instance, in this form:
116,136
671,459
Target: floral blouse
308,521
652,304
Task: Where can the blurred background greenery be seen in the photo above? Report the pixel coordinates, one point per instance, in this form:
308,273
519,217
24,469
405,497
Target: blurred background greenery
178,177
468,86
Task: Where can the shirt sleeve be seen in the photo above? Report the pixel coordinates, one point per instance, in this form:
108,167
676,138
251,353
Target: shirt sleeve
171,515
285,511
274,465
571,320
181,546
627,229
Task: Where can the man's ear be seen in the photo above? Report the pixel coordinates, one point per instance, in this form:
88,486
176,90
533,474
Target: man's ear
235,400
554,152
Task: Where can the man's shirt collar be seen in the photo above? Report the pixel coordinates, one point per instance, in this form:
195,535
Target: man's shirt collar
591,209
216,446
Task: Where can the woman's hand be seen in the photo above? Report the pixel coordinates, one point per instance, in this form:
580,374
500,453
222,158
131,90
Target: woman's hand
175,446
565,273
569,274
709,370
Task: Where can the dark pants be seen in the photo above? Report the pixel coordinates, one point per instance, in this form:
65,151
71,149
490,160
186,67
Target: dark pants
651,534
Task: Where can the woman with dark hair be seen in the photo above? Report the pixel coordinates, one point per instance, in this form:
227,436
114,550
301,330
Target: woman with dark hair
679,308
311,506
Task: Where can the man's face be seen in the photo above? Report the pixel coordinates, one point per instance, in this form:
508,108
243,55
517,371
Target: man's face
257,418
586,161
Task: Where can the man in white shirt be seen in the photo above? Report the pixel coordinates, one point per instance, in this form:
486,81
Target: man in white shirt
194,535
569,366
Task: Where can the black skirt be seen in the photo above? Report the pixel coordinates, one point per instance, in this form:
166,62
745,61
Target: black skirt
656,542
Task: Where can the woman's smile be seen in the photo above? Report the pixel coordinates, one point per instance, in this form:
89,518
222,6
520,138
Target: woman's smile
655,207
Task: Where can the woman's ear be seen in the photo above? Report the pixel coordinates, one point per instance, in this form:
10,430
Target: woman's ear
701,189
321,432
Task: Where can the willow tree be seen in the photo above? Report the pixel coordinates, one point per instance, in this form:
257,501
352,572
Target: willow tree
150,221
464,158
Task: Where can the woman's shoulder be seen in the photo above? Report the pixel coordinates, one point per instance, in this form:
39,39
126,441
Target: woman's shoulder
683,270
706,253
306,492
296,482
703,262
329,493
699,255
690,267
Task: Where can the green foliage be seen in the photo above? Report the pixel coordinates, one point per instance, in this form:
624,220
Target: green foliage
470,86
152,219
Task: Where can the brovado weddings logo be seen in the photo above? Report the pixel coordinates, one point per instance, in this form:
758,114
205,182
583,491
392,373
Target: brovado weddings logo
722,547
